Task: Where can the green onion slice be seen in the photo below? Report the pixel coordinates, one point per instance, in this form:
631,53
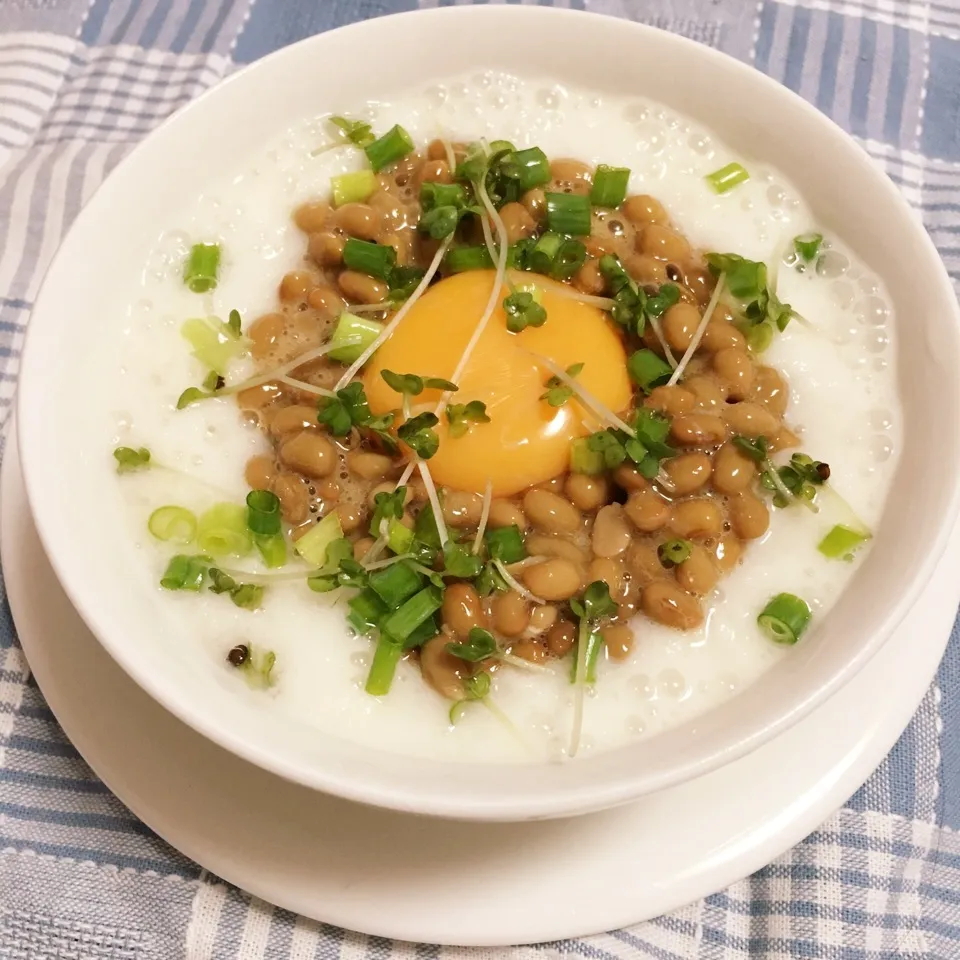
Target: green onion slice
263,512
609,186
353,187
173,524
412,613
461,259
373,259
185,573
222,531
313,545
728,177
272,548
396,583
841,541
648,370
807,246
785,618
568,213
386,656
201,269
391,147
532,167
351,336
399,536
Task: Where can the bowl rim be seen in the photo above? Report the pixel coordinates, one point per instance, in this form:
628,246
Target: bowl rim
577,798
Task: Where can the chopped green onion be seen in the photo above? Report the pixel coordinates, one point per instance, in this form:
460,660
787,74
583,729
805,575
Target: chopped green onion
313,545
841,542
807,246
673,552
569,259
544,252
391,147
185,573
351,336
422,634
399,537
609,186
386,656
201,269
479,646
395,583
373,259
353,187
272,548
532,167
263,512
172,523
403,621
784,618
222,531
461,259
568,213
505,544
366,611
128,459
728,177
214,342
648,370
585,460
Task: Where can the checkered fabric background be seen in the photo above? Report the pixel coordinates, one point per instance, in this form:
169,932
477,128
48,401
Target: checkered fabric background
81,81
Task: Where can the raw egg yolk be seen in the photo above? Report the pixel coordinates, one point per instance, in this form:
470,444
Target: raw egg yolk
527,441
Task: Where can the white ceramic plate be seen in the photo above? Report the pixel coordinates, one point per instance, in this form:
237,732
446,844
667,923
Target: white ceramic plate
333,860
90,548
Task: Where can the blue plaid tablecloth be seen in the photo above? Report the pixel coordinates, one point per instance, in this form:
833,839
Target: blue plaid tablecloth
81,81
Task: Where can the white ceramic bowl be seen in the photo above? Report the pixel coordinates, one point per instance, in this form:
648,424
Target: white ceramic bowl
69,486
